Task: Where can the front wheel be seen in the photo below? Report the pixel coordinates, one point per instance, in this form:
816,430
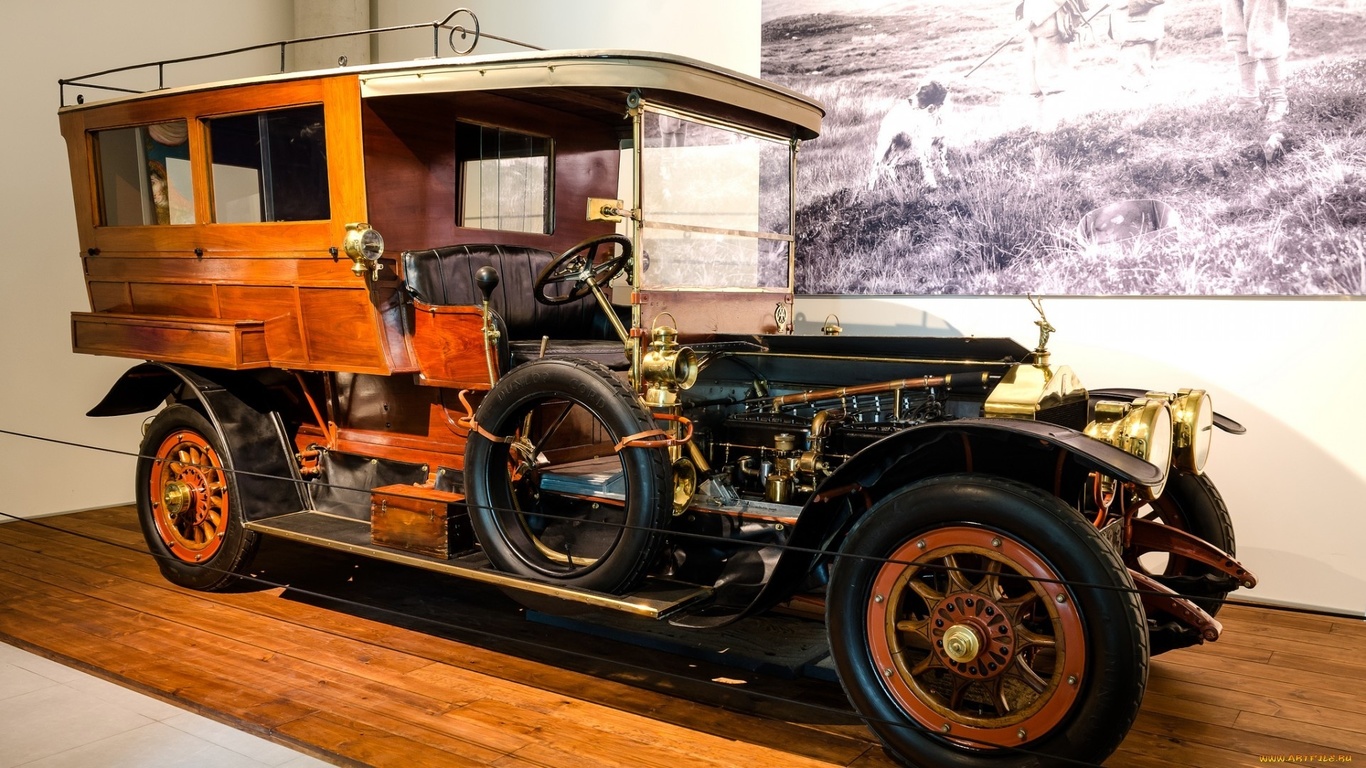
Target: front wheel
977,621
188,502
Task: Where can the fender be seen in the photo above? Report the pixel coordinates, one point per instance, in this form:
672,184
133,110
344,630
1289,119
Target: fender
268,479
907,456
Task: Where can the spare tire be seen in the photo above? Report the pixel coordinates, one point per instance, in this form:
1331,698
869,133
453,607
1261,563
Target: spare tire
550,496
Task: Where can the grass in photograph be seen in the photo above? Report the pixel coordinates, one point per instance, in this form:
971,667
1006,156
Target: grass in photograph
1264,209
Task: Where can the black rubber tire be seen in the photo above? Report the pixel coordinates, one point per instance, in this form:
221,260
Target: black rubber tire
1088,722
233,556
635,531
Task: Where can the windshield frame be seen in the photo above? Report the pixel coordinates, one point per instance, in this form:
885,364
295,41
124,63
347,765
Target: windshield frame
639,223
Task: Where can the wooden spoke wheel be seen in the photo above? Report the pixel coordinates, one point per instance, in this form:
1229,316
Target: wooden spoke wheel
189,496
979,634
188,502
978,621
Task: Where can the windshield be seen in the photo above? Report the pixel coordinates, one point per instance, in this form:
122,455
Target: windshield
716,205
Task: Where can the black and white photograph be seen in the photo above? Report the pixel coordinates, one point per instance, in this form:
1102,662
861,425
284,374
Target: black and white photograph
1147,147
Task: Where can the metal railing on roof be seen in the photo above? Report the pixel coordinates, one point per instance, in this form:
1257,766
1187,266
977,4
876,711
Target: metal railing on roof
457,31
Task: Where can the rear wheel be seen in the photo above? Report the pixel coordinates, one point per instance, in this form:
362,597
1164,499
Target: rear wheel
963,633
188,502
554,496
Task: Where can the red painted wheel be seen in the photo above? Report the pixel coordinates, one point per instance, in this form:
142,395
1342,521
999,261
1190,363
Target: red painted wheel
188,502
977,621
189,496
980,635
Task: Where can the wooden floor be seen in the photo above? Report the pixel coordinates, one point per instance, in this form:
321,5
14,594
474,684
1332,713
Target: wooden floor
364,663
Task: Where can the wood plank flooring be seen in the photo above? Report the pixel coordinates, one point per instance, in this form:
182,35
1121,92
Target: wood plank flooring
360,662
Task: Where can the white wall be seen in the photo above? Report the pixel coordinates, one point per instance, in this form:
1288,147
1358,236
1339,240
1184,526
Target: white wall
1289,370
717,31
46,390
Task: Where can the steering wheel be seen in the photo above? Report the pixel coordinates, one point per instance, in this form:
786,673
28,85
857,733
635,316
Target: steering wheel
580,265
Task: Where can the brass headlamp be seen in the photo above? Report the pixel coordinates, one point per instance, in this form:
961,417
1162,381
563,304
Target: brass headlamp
666,367
1193,416
1192,427
364,246
1142,428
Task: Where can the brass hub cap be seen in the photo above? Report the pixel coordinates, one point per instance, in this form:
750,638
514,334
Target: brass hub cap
961,644
177,496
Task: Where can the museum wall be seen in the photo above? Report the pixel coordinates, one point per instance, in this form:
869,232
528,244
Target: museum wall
1288,369
47,389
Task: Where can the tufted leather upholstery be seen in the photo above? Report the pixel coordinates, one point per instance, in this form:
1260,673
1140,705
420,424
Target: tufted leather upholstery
445,276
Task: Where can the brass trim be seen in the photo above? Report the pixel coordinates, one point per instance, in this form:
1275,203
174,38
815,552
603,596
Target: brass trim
897,385
654,224
1142,428
1027,389
606,209
1193,423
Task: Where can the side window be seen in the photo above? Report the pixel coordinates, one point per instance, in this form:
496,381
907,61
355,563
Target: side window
269,166
144,175
505,179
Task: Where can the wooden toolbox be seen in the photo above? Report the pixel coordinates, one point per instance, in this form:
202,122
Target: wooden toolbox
420,520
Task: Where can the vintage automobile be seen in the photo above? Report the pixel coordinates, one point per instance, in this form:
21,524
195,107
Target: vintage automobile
527,319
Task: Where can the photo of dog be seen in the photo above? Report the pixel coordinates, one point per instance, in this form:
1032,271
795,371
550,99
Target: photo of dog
913,127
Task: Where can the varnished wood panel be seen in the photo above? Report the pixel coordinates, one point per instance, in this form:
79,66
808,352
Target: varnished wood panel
410,147
393,417
422,520
449,345
285,342
400,668
185,340
421,163
193,106
256,302
176,270
182,300
341,329
109,296
243,271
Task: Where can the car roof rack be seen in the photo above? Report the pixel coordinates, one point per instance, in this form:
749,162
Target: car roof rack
460,32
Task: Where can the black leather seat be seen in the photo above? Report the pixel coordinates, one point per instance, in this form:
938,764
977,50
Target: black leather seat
445,276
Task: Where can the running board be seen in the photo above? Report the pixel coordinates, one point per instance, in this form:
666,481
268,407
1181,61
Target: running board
653,600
